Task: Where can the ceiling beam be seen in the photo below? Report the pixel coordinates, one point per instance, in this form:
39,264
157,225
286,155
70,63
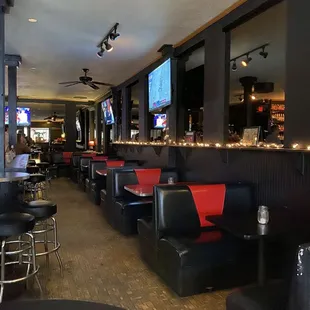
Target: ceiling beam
12,60
52,101
6,5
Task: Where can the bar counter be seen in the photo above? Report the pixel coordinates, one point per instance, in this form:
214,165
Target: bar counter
281,176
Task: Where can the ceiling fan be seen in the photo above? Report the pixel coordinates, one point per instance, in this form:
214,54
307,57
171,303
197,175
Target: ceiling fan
53,118
86,80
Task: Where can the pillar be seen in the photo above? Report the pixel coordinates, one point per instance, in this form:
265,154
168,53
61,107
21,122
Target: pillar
126,97
70,126
297,108
216,83
98,115
2,86
144,124
12,103
91,125
86,128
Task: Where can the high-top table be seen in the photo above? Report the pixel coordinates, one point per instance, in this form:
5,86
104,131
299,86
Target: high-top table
9,190
56,304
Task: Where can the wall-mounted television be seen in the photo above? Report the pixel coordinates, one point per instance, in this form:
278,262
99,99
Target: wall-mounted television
22,116
160,121
107,112
159,82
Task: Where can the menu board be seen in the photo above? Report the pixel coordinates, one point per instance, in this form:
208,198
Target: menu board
250,136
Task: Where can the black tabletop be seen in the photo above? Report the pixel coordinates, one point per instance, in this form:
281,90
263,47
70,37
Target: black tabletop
56,304
246,226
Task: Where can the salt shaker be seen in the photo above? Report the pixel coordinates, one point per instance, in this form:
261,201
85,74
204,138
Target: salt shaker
263,215
170,180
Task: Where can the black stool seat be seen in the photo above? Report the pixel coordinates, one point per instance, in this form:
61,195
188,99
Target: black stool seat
31,162
36,178
56,304
43,165
41,209
33,169
14,224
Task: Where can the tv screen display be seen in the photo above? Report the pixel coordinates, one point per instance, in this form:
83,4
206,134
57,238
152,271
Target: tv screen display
160,86
160,121
107,112
22,116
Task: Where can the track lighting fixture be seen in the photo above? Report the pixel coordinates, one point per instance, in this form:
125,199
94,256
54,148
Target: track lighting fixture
263,53
234,66
104,45
100,53
108,47
246,61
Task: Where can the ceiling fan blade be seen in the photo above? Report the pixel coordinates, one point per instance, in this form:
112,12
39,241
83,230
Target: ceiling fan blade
105,84
72,84
93,86
62,83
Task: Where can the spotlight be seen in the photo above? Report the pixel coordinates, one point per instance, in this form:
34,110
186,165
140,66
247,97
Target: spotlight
234,66
241,99
246,62
263,53
253,97
108,47
100,53
114,35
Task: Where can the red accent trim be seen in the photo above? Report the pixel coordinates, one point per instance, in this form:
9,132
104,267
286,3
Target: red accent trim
100,158
148,176
209,236
115,163
209,200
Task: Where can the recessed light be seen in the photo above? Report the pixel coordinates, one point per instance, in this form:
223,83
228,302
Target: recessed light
32,20
33,68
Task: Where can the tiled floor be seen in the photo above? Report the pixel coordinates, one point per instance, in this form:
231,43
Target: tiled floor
101,265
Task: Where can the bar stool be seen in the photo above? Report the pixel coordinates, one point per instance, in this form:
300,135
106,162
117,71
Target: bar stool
32,169
14,227
44,169
43,212
36,185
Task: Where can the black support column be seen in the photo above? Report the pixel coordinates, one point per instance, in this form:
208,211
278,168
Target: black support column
2,84
86,128
217,53
126,97
144,124
98,116
12,103
70,126
297,107
116,99
91,124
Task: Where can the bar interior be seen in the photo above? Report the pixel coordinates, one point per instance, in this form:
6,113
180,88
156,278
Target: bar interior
170,172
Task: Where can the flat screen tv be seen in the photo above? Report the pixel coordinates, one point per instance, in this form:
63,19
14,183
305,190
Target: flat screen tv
22,116
160,86
108,112
160,121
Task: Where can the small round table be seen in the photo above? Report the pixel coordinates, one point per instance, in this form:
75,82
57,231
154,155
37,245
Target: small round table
56,304
9,190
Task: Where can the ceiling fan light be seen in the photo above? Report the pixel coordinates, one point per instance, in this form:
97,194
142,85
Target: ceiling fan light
108,47
114,36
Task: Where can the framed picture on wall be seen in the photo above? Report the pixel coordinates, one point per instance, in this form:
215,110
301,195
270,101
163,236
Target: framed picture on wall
250,136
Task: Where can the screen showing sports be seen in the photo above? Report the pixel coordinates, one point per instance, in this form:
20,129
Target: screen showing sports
160,86
160,121
22,116
107,112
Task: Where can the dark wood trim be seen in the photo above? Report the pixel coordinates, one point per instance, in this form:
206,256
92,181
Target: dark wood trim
144,124
126,97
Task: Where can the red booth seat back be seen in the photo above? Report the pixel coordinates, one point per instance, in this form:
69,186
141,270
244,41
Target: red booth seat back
148,176
209,200
100,158
67,157
115,163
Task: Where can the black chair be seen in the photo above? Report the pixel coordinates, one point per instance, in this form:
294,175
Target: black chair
74,167
191,258
289,295
83,171
121,208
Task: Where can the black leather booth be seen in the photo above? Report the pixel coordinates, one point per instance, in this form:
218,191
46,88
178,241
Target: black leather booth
57,161
292,294
121,208
74,174
192,259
